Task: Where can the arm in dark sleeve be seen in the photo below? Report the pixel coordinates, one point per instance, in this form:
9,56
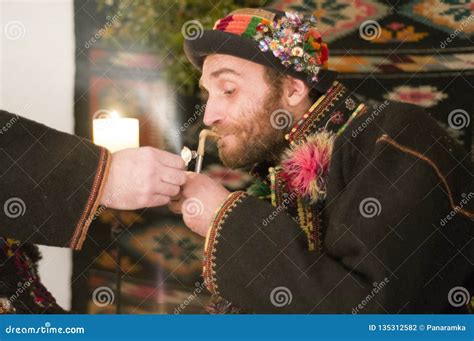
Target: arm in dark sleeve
50,183
389,258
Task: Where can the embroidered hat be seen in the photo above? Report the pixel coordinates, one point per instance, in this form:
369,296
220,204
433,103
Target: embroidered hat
288,42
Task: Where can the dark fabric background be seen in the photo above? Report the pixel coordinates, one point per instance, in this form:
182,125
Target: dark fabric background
409,51
408,60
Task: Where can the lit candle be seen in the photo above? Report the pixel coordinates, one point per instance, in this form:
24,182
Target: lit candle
116,133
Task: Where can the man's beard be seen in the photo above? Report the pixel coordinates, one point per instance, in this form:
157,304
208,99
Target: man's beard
256,139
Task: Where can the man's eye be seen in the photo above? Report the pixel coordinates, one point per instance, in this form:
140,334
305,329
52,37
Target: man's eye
229,92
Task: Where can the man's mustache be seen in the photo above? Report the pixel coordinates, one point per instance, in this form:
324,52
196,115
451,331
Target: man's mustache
222,132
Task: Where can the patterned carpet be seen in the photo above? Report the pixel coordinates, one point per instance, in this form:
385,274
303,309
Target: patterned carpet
420,52
417,51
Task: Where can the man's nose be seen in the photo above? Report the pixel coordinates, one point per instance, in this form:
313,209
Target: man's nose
213,114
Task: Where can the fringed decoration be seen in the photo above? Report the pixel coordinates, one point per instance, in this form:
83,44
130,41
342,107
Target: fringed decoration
305,166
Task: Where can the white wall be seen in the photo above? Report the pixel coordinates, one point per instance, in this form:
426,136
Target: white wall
37,81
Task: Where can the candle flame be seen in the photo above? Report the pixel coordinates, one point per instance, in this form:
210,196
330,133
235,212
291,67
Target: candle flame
104,113
114,114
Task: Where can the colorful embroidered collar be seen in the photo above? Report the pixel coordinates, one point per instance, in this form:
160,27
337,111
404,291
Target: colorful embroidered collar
332,112
299,182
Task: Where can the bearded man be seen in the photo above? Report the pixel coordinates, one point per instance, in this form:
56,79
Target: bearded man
346,213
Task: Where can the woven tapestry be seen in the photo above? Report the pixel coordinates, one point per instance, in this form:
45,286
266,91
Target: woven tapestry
417,51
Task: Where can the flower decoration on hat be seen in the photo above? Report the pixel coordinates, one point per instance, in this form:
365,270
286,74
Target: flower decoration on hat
291,37
296,42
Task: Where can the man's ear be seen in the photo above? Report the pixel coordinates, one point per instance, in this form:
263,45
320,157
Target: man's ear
296,92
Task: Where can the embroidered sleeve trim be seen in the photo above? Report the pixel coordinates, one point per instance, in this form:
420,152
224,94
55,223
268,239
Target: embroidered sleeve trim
387,139
93,202
209,272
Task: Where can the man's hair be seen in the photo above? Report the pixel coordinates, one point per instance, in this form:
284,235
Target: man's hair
275,79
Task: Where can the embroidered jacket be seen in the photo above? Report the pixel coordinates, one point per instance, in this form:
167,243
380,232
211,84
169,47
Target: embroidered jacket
390,231
50,186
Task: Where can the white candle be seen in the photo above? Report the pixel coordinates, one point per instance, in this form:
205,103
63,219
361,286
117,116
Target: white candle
116,133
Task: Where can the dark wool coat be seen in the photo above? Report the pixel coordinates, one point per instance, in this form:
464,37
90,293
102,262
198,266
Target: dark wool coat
50,185
395,233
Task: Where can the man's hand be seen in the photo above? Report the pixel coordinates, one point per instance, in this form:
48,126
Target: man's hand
198,202
142,177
